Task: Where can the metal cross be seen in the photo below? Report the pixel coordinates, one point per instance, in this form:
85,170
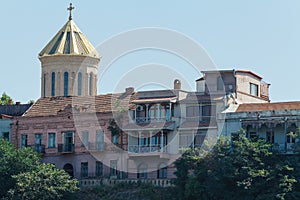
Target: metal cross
70,9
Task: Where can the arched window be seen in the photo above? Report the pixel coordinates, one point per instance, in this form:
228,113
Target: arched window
66,83
162,171
91,84
53,84
142,171
79,84
44,85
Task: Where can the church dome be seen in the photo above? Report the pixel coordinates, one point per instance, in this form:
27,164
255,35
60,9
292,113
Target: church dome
69,41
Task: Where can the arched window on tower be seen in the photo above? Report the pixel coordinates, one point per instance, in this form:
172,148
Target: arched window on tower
53,84
44,85
91,84
79,84
66,83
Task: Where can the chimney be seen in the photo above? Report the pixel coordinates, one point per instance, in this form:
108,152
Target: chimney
177,84
18,103
129,90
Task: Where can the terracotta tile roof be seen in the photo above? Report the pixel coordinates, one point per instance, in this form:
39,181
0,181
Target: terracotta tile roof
51,106
268,106
14,110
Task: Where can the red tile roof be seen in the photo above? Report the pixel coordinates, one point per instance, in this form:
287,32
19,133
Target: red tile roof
251,107
50,106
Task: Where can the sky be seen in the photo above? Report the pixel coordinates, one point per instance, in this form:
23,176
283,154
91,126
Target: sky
261,36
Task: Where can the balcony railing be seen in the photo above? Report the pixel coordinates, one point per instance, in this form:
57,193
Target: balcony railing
143,120
40,148
96,146
66,148
145,149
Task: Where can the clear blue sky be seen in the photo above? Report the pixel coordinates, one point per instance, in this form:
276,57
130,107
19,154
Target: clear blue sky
262,36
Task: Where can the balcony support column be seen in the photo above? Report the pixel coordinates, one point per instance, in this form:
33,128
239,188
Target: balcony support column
135,114
150,142
161,141
147,105
139,139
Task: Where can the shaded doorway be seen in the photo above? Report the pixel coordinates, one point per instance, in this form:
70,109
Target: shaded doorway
69,169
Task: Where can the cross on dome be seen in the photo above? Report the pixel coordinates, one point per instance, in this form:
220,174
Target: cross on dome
70,9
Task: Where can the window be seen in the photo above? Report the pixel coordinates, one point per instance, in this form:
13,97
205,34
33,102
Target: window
199,139
192,111
115,139
79,84
44,87
68,142
220,83
142,171
270,137
143,140
290,138
6,136
66,83
91,84
51,140
38,142
38,139
99,168
84,169
185,140
252,135
100,140
162,171
206,110
253,89
53,84
85,138
24,140
154,140
113,168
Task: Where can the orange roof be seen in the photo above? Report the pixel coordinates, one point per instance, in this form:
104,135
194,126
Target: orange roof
51,106
251,107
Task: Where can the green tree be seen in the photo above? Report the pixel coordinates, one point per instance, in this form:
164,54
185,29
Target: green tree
4,100
21,171
45,182
236,168
13,162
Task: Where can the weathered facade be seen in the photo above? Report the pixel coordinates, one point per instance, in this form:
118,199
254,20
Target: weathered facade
135,135
275,122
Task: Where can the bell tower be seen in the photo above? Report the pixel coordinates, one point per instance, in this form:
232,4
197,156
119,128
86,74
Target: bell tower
69,63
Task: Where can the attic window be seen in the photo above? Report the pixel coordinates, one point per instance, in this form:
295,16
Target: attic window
253,89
